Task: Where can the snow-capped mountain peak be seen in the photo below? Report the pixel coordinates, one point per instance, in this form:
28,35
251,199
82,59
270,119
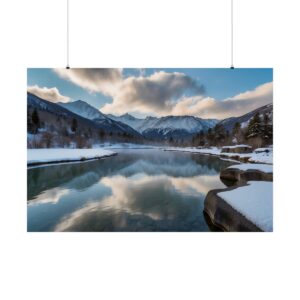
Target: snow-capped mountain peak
128,116
166,126
84,109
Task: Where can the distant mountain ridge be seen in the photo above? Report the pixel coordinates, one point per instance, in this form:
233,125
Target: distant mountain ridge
150,127
244,119
83,109
87,111
58,110
165,127
153,128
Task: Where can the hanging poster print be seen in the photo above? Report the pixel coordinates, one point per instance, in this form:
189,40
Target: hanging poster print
150,149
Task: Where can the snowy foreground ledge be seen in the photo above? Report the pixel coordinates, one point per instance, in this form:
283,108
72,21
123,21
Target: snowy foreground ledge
44,156
254,201
242,208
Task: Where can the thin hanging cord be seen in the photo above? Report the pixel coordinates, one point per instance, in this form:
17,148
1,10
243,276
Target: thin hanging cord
68,37
232,67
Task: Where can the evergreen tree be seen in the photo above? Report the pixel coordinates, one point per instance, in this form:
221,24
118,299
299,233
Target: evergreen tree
194,140
237,133
35,120
90,132
74,125
210,136
266,119
267,129
101,134
236,129
255,128
30,126
201,138
227,134
220,134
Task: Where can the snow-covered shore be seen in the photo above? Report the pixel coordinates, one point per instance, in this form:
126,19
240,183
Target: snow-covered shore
243,208
260,167
254,157
60,155
125,146
248,205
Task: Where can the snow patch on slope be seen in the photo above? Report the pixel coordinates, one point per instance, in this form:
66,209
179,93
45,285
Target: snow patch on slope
83,109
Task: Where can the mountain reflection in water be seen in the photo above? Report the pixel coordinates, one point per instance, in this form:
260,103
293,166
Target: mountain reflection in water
137,190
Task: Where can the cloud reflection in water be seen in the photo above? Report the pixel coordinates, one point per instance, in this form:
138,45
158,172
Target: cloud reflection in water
141,190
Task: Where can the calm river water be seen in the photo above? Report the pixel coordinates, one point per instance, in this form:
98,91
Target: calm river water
137,190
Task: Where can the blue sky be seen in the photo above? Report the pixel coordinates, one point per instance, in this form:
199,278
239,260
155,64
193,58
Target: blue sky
218,84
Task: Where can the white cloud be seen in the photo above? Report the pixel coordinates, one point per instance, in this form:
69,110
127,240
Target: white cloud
163,93
238,105
105,81
157,93
50,94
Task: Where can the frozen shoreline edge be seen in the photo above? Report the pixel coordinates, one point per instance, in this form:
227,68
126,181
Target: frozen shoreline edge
64,161
235,157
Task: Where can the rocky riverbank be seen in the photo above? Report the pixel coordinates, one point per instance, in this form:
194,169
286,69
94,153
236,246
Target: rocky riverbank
223,215
241,174
247,204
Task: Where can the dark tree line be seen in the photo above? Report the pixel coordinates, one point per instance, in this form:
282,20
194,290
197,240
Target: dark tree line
33,122
65,132
258,133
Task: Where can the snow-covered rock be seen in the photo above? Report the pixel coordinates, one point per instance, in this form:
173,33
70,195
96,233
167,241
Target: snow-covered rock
260,167
242,208
254,201
237,149
245,172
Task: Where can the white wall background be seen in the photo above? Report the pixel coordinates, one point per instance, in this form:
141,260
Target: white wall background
144,33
